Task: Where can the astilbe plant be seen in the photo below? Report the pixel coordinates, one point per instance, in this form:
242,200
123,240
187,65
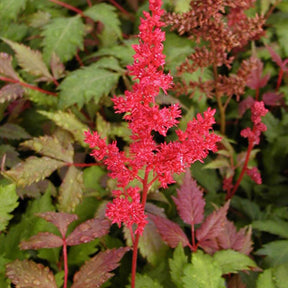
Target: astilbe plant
145,160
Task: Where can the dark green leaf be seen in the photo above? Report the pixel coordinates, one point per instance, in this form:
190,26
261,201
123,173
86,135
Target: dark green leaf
278,227
63,36
13,131
85,84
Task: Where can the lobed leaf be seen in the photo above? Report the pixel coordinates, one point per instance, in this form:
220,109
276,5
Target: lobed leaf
27,274
82,85
42,240
98,269
88,231
203,272
31,61
177,264
231,261
71,190
144,281
50,146
59,219
170,232
190,203
33,169
6,68
13,131
68,122
9,202
212,226
63,36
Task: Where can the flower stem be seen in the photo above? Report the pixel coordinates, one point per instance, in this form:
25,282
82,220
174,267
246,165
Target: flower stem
65,263
231,194
136,242
27,85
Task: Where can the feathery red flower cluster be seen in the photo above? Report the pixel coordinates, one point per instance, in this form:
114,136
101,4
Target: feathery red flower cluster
159,161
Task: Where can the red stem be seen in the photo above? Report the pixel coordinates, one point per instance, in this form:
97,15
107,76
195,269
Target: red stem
279,80
27,85
72,8
257,94
89,3
65,263
82,164
230,195
194,246
119,7
135,244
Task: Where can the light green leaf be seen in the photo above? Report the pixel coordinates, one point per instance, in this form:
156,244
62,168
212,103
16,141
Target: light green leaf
71,190
203,272
217,163
13,131
276,252
31,61
63,36
9,9
182,6
281,275
84,84
231,261
9,202
265,280
33,169
107,15
144,281
177,264
278,227
41,98
50,146
68,122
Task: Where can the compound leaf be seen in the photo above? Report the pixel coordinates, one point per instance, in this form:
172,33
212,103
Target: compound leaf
177,264
9,9
82,85
63,36
31,61
9,202
59,219
96,271
27,274
88,231
203,272
231,261
170,232
71,190
190,203
50,146
42,240
68,122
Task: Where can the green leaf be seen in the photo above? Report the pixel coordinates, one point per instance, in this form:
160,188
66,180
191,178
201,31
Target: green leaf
78,254
31,61
29,274
9,9
276,252
71,190
265,280
13,131
278,227
177,264
68,122
144,281
82,85
50,146
63,36
217,163
203,272
9,202
33,169
6,67
92,180
11,92
107,15
231,261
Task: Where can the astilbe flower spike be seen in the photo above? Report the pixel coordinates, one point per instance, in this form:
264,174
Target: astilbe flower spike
144,155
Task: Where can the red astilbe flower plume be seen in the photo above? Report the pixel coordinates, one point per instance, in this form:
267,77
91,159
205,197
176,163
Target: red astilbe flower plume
144,116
